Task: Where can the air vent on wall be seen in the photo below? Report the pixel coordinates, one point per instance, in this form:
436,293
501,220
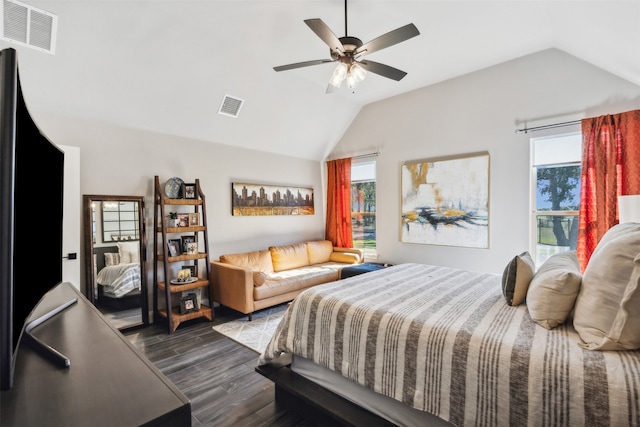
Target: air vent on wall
230,106
28,26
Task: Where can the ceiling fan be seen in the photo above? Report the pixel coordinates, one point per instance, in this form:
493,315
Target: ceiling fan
347,51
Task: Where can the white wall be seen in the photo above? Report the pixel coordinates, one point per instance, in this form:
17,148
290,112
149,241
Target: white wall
472,113
117,161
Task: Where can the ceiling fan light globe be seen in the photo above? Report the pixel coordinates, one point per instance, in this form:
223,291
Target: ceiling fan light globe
339,74
335,82
357,72
351,81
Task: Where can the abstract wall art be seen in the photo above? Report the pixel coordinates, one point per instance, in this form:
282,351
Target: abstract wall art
445,201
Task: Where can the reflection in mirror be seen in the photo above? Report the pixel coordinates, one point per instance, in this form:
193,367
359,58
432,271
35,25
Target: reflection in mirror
115,252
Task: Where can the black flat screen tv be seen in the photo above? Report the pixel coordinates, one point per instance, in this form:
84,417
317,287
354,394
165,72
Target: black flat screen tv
31,209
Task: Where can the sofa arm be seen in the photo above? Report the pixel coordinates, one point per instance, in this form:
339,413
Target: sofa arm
232,286
358,252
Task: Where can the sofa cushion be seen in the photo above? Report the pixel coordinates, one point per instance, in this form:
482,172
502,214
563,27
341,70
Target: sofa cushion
289,257
256,261
319,251
282,282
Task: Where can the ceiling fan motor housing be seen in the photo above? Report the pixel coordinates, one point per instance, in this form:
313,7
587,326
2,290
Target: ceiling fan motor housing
349,44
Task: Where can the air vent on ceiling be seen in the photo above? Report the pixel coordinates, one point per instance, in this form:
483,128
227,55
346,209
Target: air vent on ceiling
230,106
28,26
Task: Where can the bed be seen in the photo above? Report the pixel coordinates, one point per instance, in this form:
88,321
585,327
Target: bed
417,344
118,278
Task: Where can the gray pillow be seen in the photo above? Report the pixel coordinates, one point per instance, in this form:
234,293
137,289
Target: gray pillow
553,291
607,312
516,278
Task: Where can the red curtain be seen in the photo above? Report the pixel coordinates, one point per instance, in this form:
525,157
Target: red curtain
338,228
610,159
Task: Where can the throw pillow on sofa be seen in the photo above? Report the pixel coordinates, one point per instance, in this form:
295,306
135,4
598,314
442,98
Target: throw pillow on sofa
259,278
347,257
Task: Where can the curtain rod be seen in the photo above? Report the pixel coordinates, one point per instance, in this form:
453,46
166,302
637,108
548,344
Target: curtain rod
364,156
551,126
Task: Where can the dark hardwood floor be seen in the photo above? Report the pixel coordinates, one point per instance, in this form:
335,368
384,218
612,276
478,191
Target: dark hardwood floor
215,373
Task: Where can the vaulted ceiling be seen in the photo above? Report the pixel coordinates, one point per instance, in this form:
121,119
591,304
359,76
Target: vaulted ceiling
165,66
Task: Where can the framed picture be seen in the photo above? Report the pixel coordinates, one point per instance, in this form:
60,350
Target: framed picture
186,239
191,248
183,220
194,219
174,247
192,268
189,191
445,201
260,199
188,304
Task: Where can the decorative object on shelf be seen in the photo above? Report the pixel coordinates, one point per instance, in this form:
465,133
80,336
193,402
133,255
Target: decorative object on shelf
189,191
188,303
175,247
172,187
172,219
183,220
194,220
192,248
445,201
193,269
186,239
184,281
183,277
259,199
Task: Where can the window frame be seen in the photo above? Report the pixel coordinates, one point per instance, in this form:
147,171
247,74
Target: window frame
368,253
533,190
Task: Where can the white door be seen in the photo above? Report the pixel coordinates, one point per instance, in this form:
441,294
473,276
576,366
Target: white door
71,222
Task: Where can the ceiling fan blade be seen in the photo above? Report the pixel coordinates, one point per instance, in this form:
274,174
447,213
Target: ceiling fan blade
383,70
389,39
302,64
331,89
325,33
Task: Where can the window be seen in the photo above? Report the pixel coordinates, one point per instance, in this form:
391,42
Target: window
363,205
119,221
555,192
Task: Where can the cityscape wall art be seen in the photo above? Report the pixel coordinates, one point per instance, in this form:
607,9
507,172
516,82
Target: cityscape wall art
260,199
445,201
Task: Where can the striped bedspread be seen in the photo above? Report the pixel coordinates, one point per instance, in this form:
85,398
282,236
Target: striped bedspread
118,280
444,341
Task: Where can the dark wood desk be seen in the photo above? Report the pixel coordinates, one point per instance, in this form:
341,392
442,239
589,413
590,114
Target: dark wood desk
109,383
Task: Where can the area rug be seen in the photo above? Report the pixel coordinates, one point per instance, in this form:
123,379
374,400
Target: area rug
256,333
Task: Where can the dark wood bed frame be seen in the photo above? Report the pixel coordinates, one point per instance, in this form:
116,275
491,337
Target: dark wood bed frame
315,403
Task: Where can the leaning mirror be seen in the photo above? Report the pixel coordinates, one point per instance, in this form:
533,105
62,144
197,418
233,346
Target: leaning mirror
115,252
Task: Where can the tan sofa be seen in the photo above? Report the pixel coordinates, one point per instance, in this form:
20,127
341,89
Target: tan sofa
251,281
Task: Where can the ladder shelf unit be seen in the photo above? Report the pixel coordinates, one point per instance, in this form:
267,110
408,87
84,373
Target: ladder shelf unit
163,290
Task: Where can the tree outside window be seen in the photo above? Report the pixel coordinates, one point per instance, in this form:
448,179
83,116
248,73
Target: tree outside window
363,206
